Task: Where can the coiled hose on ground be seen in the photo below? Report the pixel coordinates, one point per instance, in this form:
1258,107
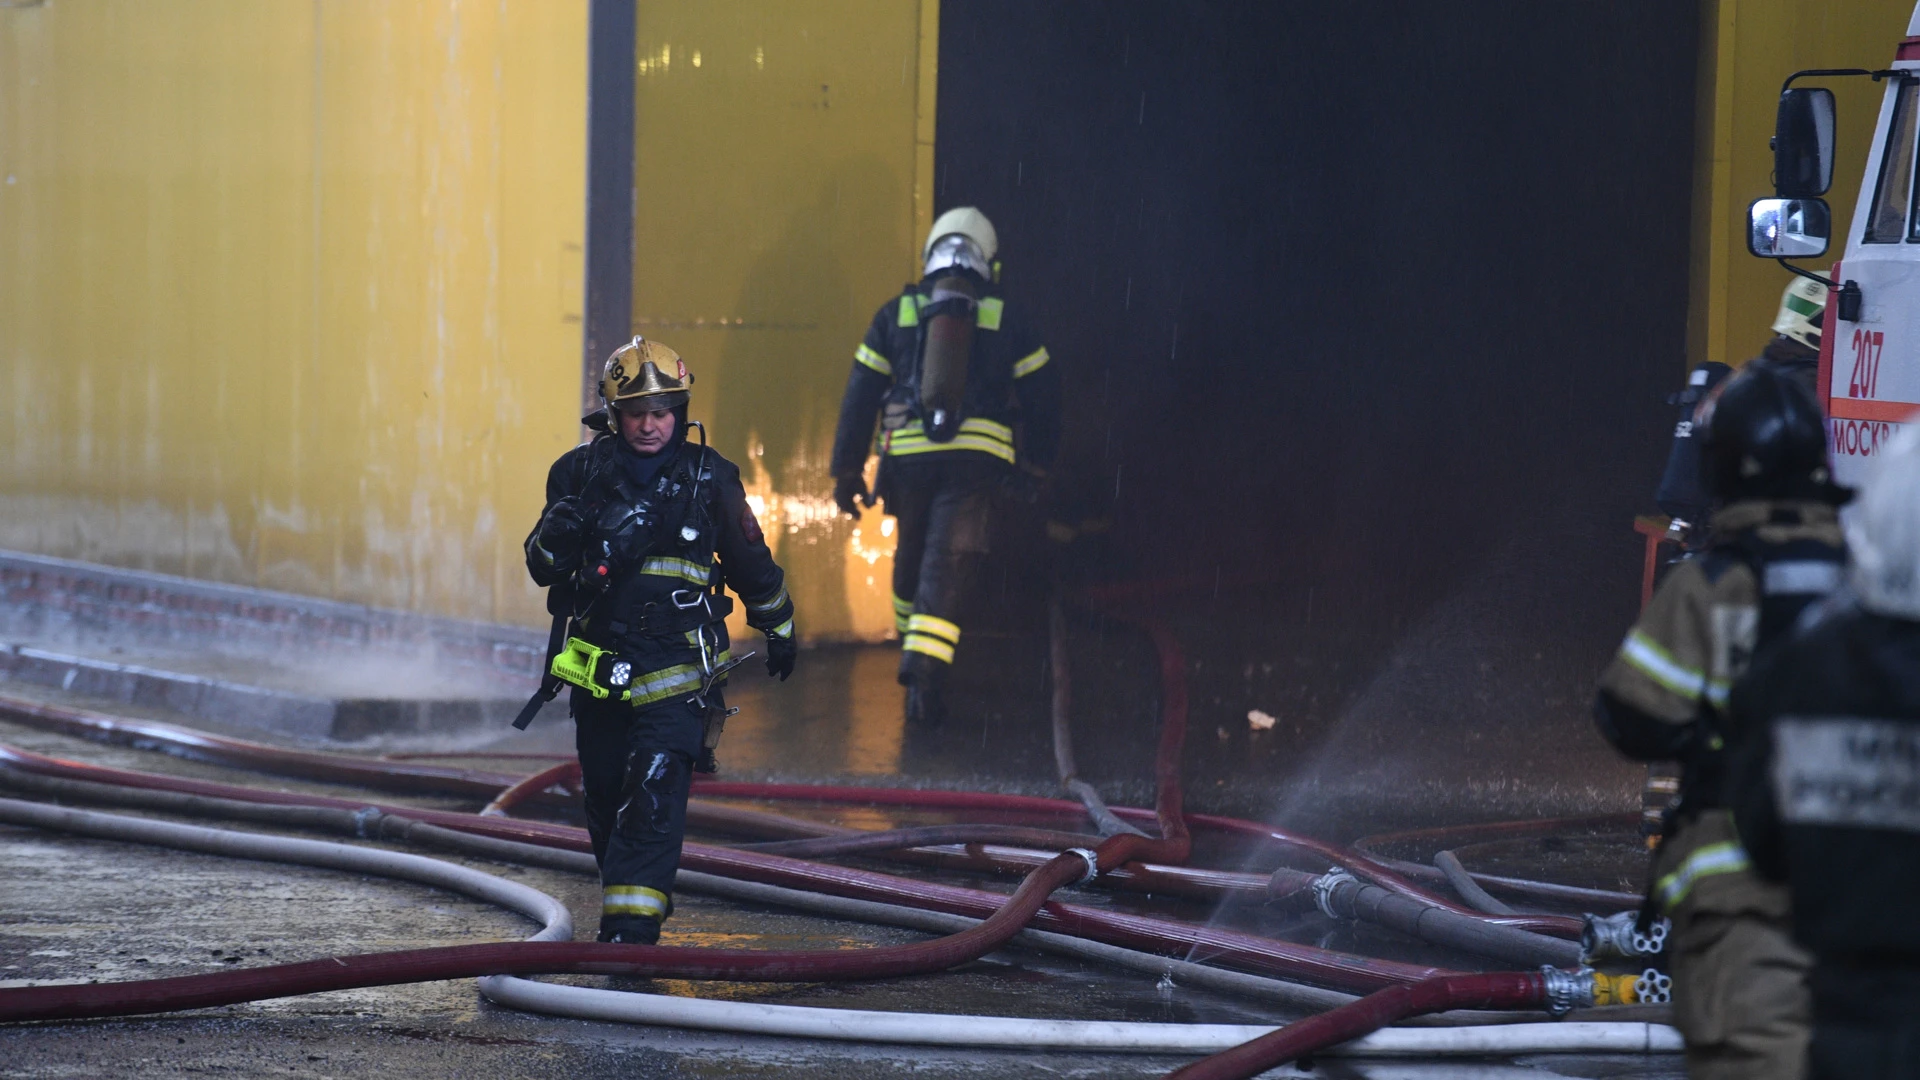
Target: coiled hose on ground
542,954
1121,856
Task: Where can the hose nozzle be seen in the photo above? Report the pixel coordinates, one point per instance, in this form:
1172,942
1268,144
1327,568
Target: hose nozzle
1617,935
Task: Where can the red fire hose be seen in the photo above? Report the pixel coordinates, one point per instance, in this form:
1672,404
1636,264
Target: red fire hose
1249,952
896,839
411,778
565,773
1497,990
1174,844
86,1000
221,750
1453,836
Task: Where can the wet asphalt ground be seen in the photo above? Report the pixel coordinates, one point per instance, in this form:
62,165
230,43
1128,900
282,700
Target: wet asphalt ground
1343,765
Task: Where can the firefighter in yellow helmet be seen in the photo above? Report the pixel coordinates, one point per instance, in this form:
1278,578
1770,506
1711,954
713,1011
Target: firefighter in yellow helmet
951,370
627,549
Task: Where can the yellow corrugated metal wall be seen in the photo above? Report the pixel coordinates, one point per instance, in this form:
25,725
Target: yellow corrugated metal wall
290,292
1747,48
784,157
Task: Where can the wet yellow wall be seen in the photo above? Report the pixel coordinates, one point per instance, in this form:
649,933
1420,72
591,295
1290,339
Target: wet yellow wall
784,156
1748,47
290,291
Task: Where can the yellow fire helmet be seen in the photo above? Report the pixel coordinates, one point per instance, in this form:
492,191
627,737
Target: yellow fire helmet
645,375
1801,309
964,221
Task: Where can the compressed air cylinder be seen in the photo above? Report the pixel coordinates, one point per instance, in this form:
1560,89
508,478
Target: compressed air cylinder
943,366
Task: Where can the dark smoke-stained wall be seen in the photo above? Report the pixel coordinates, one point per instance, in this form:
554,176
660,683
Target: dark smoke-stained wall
1372,305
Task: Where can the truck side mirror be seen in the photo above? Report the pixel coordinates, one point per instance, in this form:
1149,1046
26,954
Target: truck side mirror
1789,228
1803,142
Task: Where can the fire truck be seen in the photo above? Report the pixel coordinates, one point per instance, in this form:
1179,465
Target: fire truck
1869,376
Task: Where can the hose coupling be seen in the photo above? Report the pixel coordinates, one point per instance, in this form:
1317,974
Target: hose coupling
1093,863
1616,989
1323,887
1619,935
1653,987
364,819
1566,991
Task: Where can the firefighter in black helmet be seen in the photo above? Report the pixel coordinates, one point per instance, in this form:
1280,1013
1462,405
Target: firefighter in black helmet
1825,779
626,547
949,369
1774,546
1794,350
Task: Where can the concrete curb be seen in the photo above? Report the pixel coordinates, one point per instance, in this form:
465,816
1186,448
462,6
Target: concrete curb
60,594
44,598
225,702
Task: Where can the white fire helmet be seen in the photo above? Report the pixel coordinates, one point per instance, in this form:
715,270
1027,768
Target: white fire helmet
961,237
1801,308
1883,531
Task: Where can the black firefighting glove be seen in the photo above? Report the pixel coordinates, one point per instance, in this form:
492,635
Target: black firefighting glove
563,532
849,491
781,653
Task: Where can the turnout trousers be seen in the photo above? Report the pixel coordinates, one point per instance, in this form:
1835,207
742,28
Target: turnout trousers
1740,995
942,503
636,768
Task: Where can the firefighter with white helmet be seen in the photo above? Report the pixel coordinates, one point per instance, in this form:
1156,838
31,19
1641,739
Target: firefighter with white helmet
1774,546
627,549
1803,309
1827,782
1795,348
963,392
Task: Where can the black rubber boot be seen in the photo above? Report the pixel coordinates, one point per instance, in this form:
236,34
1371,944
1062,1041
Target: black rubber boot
926,706
629,930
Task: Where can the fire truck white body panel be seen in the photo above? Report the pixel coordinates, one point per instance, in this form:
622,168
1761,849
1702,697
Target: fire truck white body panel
1870,368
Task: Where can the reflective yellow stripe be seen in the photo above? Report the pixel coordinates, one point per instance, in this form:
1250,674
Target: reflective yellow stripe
931,646
901,609
685,570
923,445
1726,857
935,626
1646,656
768,606
873,359
784,630
670,682
1031,363
987,317
976,433
633,900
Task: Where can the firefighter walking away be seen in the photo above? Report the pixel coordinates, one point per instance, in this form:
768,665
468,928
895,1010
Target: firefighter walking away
966,399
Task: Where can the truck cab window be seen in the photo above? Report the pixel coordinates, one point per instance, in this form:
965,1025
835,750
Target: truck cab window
1909,109
1887,225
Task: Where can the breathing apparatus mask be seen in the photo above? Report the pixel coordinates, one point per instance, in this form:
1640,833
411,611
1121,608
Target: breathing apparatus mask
958,251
